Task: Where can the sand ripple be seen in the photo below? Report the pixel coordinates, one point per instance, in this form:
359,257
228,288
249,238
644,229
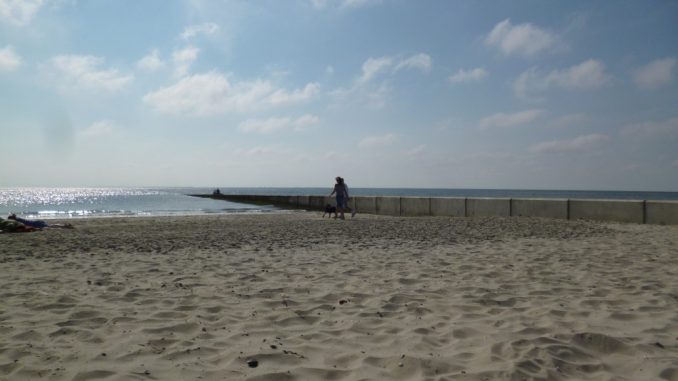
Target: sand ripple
375,298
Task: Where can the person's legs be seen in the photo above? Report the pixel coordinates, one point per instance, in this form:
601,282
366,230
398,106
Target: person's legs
341,205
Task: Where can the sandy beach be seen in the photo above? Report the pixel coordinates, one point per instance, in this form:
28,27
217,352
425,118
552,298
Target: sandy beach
296,297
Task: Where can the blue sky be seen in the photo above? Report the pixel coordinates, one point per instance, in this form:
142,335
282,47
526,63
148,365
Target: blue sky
386,93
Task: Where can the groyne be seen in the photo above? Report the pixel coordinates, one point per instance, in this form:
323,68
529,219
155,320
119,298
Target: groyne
631,211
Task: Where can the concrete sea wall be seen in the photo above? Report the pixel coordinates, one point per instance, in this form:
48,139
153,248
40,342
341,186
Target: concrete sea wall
608,210
448,206
415,206
630,211
488,207
546,208
661,212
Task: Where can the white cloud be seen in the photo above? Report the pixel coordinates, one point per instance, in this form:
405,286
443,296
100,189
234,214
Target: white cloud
19,12
195,30
305,121
419,61
367,90
472,75
274,155
666,127
271,125
567,121
83,71
258,151
580,143
503,120
375,66
213,93
377,141
358,3
183,59
320,4
151,61
262,150
416,151
99,128
589,74
332,155
523,39
282,96
655,74
449,123
372,67
9,60
375,97
264,126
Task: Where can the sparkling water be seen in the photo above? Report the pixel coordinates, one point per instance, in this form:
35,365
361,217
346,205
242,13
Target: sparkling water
100,202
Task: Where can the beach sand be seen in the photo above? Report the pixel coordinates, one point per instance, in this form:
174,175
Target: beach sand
296,297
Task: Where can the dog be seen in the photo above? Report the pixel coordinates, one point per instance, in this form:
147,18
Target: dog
329,209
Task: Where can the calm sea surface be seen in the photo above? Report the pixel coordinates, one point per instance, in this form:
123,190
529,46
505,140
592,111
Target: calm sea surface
100,202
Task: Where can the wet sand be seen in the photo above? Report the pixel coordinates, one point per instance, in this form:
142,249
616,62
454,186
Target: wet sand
297,297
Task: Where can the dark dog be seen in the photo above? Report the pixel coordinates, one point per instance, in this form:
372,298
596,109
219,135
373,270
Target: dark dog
329,209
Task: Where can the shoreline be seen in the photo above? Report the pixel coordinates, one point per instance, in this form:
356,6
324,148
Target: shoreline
60,219
373,298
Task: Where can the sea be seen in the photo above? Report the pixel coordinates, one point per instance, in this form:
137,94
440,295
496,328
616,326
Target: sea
52,203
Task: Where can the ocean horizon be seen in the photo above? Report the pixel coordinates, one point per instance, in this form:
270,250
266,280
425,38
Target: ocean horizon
91,202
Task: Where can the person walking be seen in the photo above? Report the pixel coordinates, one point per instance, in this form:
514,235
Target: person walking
341,191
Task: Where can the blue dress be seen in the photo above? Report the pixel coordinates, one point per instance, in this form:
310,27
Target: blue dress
342,195
36,224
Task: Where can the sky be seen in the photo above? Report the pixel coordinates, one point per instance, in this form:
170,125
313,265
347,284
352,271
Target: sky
526,94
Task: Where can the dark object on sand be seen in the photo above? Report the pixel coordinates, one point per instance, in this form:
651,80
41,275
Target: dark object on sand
9,226
252,363
38,224
329,209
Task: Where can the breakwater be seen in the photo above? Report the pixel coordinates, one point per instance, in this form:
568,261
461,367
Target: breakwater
631,211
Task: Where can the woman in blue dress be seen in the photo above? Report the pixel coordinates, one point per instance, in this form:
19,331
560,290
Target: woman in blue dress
341,191
38,224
